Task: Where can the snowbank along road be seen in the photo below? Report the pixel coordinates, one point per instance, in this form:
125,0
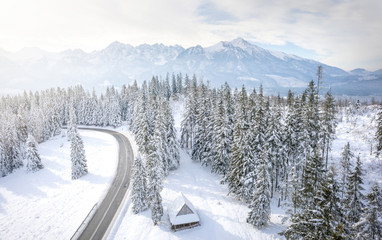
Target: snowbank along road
102,220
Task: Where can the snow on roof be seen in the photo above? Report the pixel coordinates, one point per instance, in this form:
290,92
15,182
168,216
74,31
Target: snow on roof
182,211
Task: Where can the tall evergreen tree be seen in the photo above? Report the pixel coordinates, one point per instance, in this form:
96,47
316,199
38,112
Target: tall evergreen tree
221,141
77,155
155,175
354,196
32,156
370,224
139,187
172,143
308,223
345,162
378,134
259,215
241,149
329,123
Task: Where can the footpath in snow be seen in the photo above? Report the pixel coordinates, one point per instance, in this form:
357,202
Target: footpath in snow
48,204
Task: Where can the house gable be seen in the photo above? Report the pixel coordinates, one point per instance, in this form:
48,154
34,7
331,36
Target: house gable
185,210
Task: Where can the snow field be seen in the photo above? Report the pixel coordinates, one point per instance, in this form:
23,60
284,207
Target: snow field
359,131
48,204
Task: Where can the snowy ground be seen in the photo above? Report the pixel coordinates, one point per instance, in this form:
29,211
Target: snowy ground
48,204
359,130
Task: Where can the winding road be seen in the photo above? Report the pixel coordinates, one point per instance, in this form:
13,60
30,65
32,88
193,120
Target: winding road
102,220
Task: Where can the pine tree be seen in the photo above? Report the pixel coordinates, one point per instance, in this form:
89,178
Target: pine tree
259,215
240,147
312,120
77,155
346,156
354,196
378,134
139,187
156,207
308,223
274,138
221,142
331,208
155,176
32,156
72,128
172,143
114,112
329,123
188,127
370,225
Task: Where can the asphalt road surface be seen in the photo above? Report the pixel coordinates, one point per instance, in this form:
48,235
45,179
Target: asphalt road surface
106,211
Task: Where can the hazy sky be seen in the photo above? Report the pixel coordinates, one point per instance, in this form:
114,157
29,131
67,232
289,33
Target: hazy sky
343,33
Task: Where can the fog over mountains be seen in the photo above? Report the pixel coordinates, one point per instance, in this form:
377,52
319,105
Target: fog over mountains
238,62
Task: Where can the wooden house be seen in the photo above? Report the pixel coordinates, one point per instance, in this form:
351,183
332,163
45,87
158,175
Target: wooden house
182,214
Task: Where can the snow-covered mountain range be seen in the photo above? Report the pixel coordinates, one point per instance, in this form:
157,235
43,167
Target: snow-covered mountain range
237,62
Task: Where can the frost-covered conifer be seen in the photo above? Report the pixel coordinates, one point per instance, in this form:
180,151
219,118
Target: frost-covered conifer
241,148
329,123
114,112
139,186
354,197
172,143
346,156
72,128
221,141
259,215
378,134
370,225
32,156
77,155
155,176
156,208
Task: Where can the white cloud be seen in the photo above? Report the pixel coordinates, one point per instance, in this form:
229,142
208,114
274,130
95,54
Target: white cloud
345,33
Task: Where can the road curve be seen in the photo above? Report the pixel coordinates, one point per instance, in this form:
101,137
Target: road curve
102,219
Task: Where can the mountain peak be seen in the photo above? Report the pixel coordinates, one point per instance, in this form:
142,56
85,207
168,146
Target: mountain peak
240,42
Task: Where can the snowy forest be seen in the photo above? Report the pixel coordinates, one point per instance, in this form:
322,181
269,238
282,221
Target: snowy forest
263,147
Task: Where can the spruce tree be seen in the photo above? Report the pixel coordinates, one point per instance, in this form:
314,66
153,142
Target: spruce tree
221,142
241,148
156,207
32,156
72,128
77,155
188,125
139,186
309,221
370,225
155,176
378,134
345,162
259,215
329,123
172,142
354,197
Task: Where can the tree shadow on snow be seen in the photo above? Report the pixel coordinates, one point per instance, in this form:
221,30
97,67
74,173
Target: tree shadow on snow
96,179
30,184
2,202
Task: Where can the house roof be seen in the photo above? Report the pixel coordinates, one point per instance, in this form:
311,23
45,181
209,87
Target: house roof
182,211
